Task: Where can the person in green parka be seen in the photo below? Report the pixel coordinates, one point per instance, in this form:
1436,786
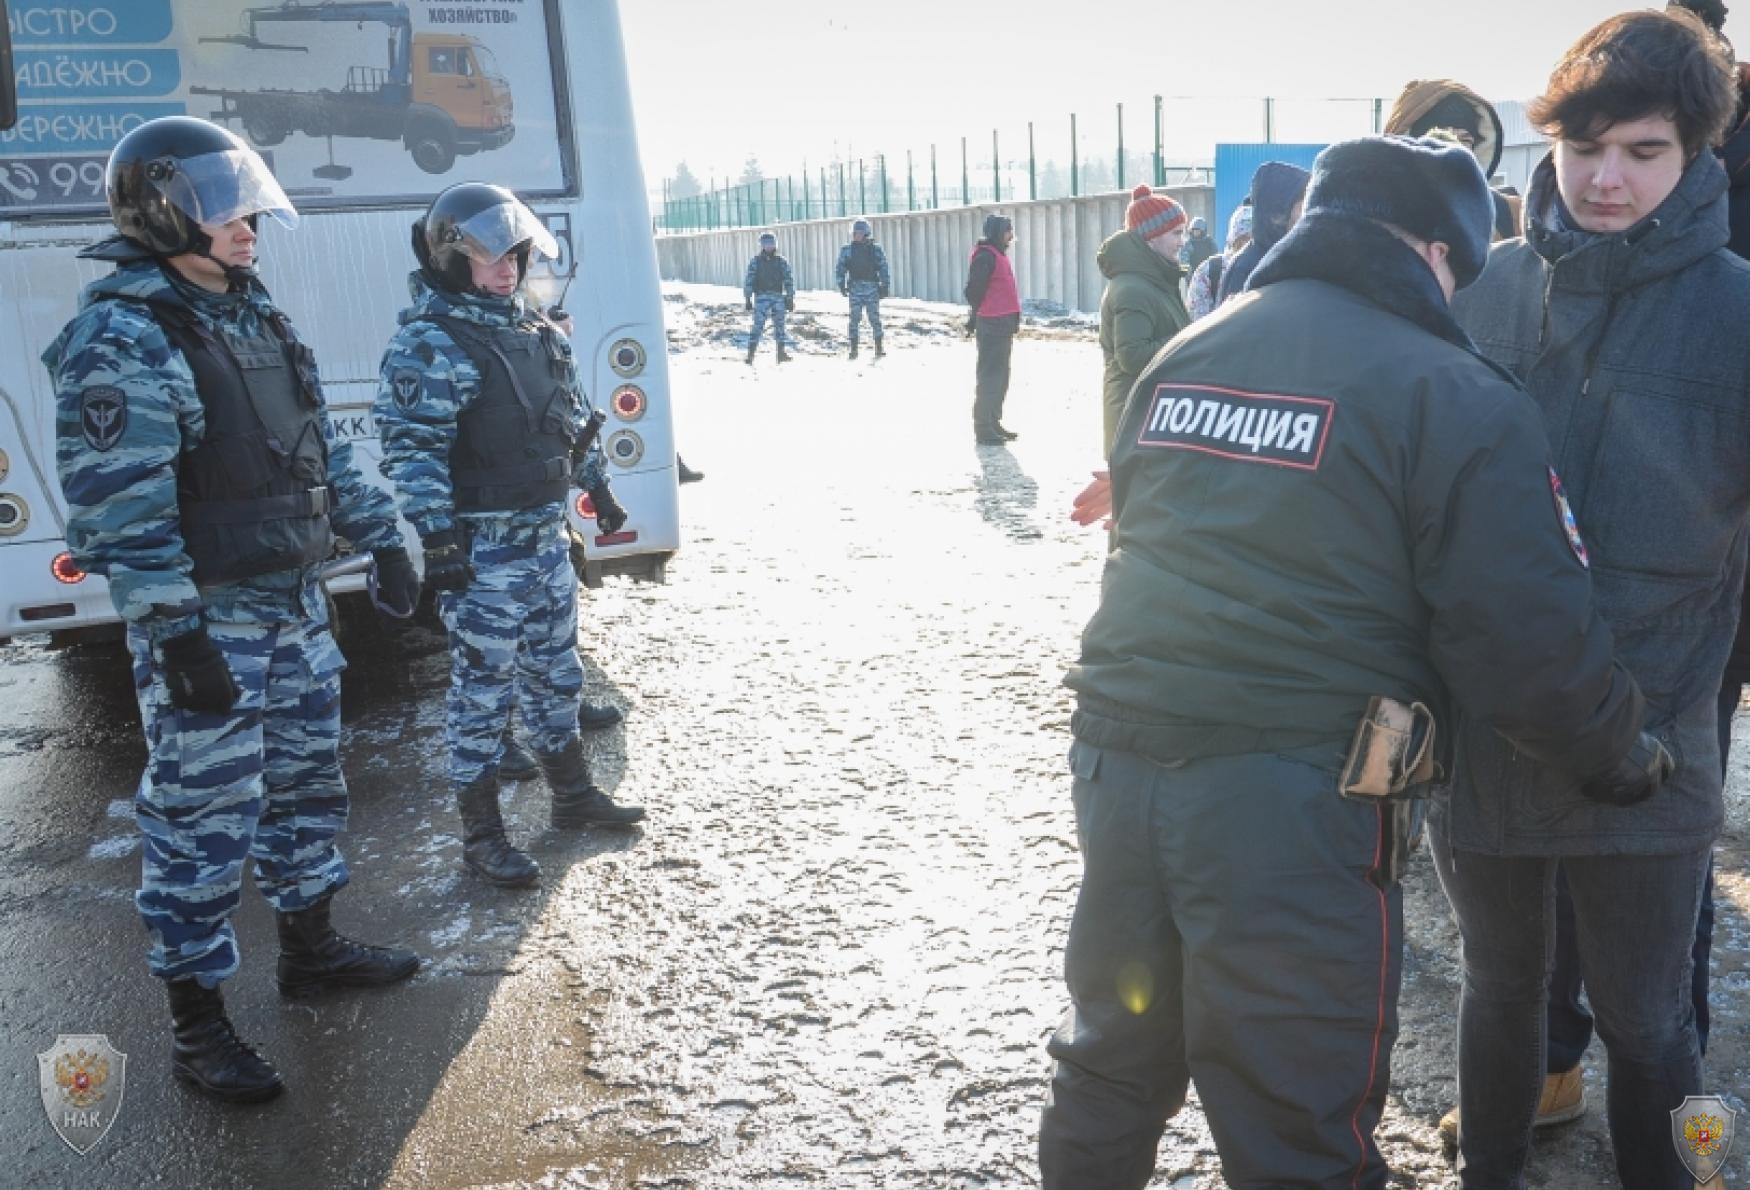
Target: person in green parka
1143,307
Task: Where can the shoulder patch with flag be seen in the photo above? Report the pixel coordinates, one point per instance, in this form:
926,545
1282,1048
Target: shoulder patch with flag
1570,526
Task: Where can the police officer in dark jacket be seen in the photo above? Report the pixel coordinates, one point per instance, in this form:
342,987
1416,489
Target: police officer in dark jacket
1358,526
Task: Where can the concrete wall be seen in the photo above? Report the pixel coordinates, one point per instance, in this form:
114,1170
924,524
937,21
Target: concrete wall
1055,243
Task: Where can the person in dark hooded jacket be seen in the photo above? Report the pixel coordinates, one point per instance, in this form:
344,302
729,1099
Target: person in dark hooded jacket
1441,104
1277,190
1621,310
1361,512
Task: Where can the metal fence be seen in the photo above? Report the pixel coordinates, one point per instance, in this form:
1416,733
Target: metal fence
1167,146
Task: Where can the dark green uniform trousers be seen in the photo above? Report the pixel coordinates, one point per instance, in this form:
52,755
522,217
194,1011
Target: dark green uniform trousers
1233,930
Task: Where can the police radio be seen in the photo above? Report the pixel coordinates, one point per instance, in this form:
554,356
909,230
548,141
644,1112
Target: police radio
556,311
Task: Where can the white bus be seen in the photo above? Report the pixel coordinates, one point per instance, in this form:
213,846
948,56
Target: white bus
364,110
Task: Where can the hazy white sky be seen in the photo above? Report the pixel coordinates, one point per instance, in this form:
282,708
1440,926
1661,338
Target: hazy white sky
715,81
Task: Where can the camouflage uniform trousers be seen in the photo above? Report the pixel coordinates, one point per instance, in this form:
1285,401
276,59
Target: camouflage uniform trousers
513,640
769,305
865,299
261,781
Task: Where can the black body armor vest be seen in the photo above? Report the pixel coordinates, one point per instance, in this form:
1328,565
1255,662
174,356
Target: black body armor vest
768,275
513,444
252,495
862,266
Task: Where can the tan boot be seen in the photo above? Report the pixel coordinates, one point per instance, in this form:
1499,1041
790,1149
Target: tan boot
1563,1099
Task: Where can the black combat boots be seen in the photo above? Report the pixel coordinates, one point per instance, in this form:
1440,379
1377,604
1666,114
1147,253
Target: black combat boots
853,351
576,800
879,350
485,850
516,763
597,716
752,347
207,1054
314,959
783,356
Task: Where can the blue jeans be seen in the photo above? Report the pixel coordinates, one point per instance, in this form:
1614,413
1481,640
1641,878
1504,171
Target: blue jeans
1570,1023
1634,926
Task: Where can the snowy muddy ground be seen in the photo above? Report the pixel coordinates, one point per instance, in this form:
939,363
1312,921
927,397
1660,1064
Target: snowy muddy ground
832,956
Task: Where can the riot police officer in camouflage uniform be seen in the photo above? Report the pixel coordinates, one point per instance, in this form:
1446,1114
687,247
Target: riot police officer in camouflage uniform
863,276
484,433
204,481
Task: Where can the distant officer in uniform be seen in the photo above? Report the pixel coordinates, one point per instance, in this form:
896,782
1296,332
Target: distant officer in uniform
204,481
1336,524
863,277
769,290
482,420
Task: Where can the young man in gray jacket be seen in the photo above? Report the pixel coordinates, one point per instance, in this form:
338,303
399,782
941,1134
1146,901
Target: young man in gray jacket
1622,313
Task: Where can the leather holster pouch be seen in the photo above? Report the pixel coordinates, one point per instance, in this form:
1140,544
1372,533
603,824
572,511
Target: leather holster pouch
1393,751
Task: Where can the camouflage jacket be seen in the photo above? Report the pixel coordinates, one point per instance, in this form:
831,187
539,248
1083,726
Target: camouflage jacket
417,434
123,521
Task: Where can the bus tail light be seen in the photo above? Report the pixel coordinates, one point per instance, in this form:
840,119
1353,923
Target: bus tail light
630,402
14,514
64,570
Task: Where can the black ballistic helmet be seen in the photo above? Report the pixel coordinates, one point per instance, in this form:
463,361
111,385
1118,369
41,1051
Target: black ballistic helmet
476,221
169,175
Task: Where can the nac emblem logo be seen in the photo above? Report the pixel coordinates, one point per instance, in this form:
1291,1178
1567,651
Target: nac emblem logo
82,1077
1702,1130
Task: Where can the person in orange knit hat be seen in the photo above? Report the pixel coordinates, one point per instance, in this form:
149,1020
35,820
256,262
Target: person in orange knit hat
1143,306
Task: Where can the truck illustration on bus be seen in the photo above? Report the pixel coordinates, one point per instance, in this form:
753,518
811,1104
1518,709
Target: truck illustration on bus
439,94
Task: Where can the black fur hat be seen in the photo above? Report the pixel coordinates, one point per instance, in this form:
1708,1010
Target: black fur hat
1432,189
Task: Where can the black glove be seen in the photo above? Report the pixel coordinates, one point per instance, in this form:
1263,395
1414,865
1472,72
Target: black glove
881,291
1634,777
447,567
609,516
196,674
845,289
397,583
748,304
971,324
789,304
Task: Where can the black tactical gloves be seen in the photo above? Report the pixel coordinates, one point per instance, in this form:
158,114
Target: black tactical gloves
881,291
845,289
196,674
747,304
609,516
789,304
397,585
1633,778
446,562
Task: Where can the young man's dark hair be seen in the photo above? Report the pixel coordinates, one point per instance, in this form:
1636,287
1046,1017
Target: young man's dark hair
1641,64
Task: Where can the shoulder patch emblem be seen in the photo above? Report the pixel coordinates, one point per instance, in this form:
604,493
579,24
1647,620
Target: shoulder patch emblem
404,387
103,415
1570,526
1269,428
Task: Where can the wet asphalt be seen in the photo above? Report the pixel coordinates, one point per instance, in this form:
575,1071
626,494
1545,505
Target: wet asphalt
831,957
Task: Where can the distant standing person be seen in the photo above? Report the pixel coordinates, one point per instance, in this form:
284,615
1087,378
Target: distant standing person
1141,309
1205,287
1199,245
769,290
1277,191
862,276
995,298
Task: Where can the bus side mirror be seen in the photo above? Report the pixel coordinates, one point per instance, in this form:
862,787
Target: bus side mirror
8,79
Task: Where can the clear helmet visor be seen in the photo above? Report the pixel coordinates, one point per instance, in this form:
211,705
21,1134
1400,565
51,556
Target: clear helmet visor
215,188
485,237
